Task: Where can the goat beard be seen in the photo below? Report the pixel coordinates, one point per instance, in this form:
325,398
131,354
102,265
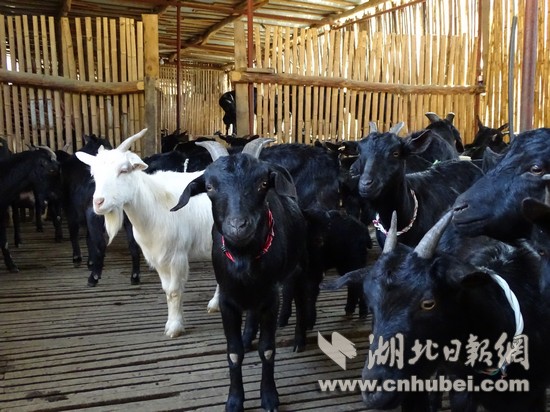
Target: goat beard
113,222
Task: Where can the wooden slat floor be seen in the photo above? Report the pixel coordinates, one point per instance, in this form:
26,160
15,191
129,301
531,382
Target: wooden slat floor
66,346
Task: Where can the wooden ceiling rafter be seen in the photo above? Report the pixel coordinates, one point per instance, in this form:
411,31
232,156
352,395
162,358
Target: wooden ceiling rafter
201,39
65,8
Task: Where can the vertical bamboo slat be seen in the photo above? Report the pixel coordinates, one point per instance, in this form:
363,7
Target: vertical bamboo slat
5,122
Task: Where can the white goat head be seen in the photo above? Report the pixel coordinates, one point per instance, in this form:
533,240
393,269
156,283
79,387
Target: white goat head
114,186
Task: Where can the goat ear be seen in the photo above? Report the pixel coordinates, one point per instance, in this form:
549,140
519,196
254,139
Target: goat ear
464,279
283,184
196,187
85,158
475,279
420,142
136,162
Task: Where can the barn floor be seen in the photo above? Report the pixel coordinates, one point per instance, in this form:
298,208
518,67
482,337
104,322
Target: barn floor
65,346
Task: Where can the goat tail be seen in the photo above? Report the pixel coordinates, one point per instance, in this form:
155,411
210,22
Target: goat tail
353,277
113,222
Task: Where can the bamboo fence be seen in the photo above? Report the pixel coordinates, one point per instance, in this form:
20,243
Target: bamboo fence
91,51
200,91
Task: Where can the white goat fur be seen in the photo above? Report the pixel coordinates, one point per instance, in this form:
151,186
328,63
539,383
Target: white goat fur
169,240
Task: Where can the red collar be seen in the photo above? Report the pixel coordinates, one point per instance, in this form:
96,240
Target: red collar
267,244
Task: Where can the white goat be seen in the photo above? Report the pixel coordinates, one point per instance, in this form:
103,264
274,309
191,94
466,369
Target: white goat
169,240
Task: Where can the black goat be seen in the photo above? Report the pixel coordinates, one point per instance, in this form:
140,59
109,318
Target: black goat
492,206
228,103
18,172
259,240
168,142
78,189
335,240
419,198
429,297
444,139
486,137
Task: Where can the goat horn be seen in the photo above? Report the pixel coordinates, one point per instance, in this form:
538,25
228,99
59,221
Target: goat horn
50,151
125,145
216,149
450,117
396,128
391,236
426,247
432,117
254,147
372,127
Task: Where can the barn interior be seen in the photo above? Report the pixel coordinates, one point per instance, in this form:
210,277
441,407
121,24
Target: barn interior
323,70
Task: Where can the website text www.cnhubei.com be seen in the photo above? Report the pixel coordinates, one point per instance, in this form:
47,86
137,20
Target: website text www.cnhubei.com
439,384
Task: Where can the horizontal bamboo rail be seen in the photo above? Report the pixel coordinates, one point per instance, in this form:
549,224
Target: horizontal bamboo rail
340,82
70,85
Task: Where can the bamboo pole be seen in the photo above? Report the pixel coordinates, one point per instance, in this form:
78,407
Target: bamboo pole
70,85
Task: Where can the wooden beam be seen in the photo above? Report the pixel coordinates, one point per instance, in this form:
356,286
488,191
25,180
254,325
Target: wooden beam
337,16
340,82
241,90
202,38
69,85
151,142
65,8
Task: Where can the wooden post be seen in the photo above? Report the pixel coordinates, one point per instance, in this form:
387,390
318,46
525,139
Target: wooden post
241,90
527,97
151,46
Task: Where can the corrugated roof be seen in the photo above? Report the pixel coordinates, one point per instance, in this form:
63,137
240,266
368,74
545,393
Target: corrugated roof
206,25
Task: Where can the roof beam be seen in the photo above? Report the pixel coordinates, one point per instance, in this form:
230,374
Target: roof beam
329,20
65,8
202,38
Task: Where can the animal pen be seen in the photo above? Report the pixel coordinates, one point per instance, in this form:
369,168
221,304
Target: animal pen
64,78
64,346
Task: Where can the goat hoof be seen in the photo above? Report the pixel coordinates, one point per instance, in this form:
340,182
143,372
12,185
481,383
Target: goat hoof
283,323
13,269
174,329
77,260
348,315
300,347
134,279
93,279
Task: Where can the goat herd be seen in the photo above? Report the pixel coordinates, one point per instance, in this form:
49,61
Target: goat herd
465,243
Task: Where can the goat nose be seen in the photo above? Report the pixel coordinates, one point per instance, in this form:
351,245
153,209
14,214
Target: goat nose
238,223
99,201
460,207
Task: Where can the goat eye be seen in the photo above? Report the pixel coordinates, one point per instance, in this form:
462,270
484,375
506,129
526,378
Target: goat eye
209,187
263,185
395,154
536,169
427,304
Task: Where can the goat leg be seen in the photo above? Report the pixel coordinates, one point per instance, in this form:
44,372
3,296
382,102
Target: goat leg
250,329
303,303
286,307
232,320
266,349
4,244
134,251
96,246
16,219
